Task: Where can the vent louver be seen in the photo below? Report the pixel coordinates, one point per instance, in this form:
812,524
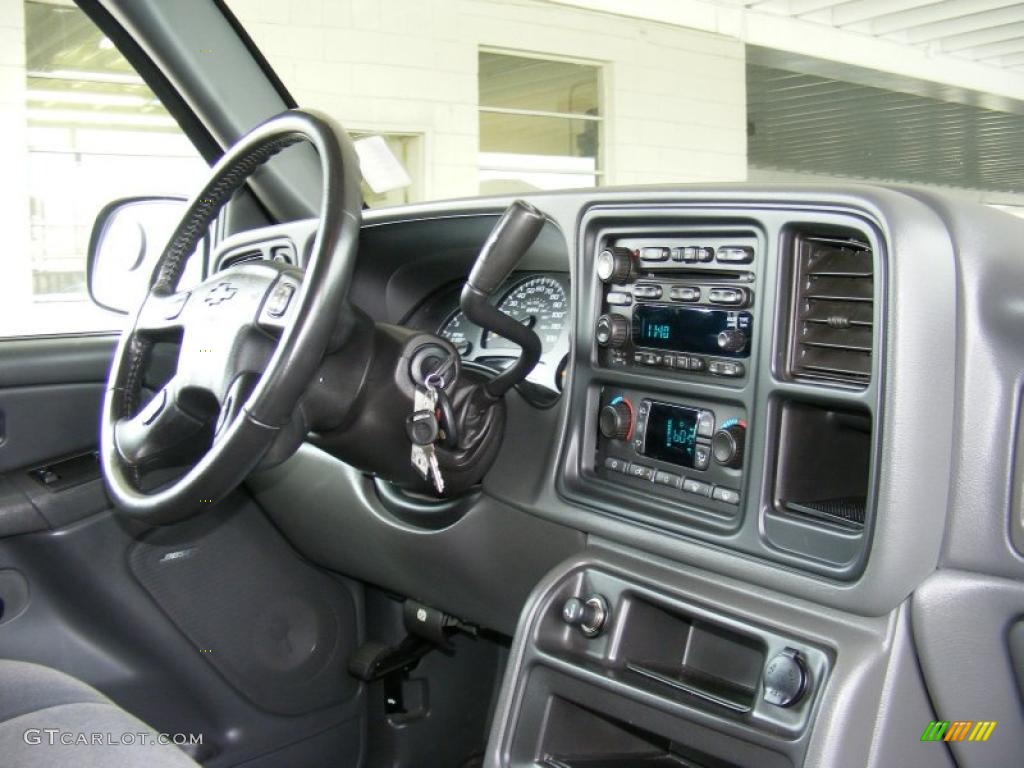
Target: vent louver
833,310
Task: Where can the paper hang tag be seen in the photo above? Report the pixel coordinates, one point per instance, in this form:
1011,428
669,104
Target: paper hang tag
381,169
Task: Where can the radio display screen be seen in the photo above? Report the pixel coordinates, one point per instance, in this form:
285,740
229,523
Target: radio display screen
688,329
671,434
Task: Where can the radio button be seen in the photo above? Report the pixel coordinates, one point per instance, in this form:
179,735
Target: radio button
732,340
614,265
654,254
616,465
725,368
611,331
701,457
735,254
705,424
733,297
696,486
641,472
684,293
618,299
647,291
728,495
668,478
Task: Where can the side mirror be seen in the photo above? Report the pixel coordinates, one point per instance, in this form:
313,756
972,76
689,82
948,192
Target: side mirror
127,239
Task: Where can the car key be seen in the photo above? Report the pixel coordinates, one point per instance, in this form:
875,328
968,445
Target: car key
424,430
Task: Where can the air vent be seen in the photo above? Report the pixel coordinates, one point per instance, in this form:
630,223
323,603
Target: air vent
833,310
241,257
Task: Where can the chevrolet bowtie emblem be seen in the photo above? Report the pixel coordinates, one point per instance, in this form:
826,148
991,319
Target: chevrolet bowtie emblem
220,293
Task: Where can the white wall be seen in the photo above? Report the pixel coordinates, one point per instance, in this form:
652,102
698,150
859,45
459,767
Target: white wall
675,98
16,285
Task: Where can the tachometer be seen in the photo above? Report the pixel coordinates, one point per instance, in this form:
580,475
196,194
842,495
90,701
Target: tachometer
456,330
538,303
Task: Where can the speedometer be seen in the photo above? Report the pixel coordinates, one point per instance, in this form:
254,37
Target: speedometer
456,330
540,304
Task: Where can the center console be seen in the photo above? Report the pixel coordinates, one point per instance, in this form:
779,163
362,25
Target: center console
725,379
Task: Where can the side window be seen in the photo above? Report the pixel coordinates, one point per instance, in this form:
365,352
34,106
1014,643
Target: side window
81,129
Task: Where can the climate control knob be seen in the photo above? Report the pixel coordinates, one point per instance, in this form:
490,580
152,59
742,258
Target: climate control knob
614,265
611,331
727,445
732,341
616,420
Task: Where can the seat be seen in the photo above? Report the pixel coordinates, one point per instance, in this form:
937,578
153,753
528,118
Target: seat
48,718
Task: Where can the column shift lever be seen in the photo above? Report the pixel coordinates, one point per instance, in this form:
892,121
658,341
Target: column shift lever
508,242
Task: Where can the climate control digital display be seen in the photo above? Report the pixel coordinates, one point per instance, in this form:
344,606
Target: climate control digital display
671,434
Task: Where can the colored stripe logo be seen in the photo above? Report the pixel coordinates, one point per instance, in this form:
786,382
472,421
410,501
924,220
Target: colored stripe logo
958,730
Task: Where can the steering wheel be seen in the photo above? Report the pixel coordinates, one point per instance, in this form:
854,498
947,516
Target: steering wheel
252,337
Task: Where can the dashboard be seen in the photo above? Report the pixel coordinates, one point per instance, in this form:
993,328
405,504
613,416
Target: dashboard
767,436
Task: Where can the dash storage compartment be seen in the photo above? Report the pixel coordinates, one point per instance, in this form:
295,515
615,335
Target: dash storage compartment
681,656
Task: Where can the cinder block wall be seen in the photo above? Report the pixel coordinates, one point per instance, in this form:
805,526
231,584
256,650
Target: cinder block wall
674,99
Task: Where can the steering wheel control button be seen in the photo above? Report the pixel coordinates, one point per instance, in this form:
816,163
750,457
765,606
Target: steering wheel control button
726,495
174,305
735,254
785,679
614,265
280,298
589,615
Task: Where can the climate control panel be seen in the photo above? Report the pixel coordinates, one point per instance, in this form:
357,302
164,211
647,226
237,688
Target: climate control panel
692,451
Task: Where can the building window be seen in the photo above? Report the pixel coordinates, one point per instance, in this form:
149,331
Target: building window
540,124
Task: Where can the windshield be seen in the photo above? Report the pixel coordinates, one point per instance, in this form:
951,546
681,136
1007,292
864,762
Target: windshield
509,96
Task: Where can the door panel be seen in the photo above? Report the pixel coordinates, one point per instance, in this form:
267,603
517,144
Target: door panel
215,626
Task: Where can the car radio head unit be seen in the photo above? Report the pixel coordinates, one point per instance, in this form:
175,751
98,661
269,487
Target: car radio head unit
681,306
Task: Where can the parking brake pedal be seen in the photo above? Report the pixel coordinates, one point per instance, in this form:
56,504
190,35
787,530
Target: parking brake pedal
429,630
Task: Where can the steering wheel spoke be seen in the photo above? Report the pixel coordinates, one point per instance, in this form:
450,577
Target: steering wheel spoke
167,431
162,312
232,403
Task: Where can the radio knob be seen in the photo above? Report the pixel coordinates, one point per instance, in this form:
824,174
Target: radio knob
732,341
727,445
616,420
615,265
612,330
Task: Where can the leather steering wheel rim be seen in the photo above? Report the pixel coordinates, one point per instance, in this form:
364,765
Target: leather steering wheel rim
315,302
